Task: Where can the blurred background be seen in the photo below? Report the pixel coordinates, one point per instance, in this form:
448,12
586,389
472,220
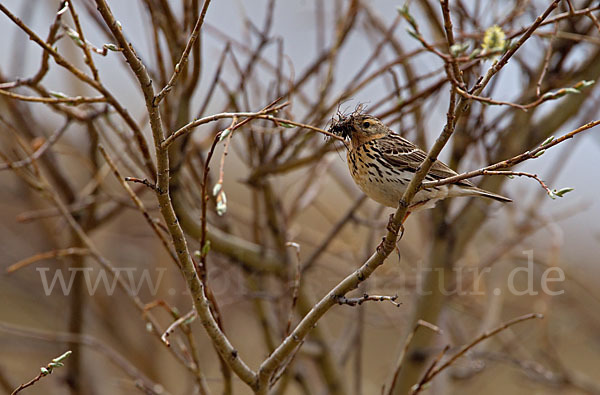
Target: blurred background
291,185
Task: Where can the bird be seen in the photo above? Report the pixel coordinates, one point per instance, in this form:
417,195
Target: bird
382,164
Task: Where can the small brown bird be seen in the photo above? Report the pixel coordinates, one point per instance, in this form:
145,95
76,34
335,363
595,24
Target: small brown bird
382,164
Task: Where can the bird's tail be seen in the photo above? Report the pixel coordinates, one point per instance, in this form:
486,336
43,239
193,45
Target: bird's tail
474,191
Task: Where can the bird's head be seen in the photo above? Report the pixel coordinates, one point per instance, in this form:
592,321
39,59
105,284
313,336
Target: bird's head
358,127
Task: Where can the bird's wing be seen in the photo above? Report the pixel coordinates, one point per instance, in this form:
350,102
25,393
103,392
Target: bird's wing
402,154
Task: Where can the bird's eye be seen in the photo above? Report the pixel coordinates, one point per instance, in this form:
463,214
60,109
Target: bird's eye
366,124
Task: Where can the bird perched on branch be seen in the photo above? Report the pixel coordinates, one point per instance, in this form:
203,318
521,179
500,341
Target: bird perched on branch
382,164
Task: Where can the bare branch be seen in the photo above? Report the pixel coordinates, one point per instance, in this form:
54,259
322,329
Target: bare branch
512,161
434,372
180,66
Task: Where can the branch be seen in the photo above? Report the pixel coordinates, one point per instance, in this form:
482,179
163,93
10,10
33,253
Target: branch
184,57
47,255
93,343
464,349
525,107
399,364
84,45
59,98
138,203
512,161
188,317
227,133
143,181
60,60
559,17
38,152
196,288
388,243
295,286
45,371
450,38
281,353
521,174
497,66
263,114
365,298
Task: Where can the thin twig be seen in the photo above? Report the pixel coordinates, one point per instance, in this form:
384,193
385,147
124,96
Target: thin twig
171,328
61,61
138,203
525,107
365,298
93,343
469,346
547,56
202,270
425,379
498,65
520,174
350,214
143,181
38,152
180,65
45,371
295,287
450,38
76,100
47,255
86,50
594,20
512,161
400,363
228,115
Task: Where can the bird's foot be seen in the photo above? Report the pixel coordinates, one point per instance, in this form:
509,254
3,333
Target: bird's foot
395,228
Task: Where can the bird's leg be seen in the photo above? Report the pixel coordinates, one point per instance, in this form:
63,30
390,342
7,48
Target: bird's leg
391,226
400,235
397,229
402,224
